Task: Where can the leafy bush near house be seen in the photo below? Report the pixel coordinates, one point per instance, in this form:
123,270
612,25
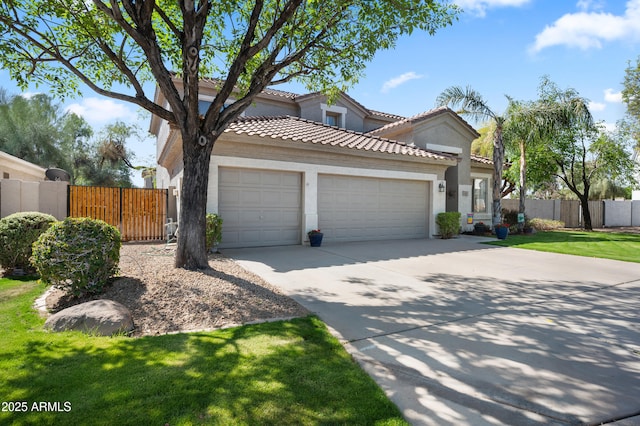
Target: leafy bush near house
545,224
511,217
18,232
213,230
448,223
78,254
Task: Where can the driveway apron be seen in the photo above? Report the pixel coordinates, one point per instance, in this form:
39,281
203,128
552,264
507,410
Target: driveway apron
458,332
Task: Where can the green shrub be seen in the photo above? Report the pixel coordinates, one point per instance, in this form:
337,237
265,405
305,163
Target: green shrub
545,224
214,231
17,233
78,254
449,224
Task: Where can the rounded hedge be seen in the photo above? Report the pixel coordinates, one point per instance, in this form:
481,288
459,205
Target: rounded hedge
18,232
78,254
449,224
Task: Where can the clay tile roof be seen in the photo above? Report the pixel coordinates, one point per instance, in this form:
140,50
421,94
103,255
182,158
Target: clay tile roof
297,97
479,159
419,117
306,131
281,93
386,115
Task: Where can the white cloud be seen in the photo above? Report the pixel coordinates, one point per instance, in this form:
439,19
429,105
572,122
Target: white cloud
479,7
100,111
596,106
586,30
586,5
611,96
610,127
401,79
29,95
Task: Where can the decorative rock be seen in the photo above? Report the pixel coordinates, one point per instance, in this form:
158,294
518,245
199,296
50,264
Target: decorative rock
103,317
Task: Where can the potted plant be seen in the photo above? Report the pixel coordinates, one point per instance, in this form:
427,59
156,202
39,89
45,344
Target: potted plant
479,228
315,237
502,230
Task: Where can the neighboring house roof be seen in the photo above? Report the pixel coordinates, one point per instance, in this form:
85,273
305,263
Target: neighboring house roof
19,168
421,117
306,131
482,160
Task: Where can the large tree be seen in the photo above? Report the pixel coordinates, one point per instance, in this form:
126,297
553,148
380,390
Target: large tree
473,105
631,97
36,129
32,129
248,45
631,90
583,151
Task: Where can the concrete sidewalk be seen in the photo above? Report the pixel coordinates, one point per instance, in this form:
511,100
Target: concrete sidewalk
459,332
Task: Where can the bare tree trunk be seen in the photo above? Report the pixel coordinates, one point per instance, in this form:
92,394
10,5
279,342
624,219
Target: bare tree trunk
191,252
498,161
523,182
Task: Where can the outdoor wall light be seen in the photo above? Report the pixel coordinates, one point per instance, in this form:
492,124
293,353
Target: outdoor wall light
441,187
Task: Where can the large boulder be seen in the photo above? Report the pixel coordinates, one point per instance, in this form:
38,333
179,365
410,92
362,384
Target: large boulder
103,317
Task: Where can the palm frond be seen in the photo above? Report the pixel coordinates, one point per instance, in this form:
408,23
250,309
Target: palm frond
469,102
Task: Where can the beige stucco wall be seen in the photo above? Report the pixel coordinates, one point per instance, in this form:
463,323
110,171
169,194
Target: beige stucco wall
24,196
311,160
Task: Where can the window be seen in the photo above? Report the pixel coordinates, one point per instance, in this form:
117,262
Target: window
331,119
479,195
333,115
203,105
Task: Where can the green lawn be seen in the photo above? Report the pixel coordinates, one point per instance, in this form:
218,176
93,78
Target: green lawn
290,372
606,245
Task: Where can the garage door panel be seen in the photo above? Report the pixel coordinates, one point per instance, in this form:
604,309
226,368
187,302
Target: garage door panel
356,209
290,198
259,207
231,218
251,178
290,181
229,177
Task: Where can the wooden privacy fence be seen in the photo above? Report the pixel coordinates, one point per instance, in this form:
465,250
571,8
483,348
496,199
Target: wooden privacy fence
139,214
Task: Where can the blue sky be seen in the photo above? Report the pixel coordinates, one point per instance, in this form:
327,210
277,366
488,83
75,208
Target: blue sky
498,47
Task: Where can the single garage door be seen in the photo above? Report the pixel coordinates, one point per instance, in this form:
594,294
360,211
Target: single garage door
358,209
259,207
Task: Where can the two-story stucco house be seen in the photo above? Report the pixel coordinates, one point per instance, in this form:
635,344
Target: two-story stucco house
293,163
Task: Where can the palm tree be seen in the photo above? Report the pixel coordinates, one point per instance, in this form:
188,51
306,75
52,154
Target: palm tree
475,107
526,127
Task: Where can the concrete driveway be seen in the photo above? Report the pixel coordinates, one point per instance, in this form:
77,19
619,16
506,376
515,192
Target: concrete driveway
462,333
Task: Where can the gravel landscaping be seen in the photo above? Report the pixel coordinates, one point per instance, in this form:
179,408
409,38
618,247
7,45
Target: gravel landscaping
164,299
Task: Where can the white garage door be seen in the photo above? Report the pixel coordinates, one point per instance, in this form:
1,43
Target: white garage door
259,207
359,209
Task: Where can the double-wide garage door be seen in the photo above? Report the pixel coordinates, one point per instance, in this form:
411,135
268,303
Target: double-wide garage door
264,208
359,209
259,207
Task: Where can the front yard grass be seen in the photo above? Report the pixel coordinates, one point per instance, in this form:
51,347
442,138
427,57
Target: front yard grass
617,246
288,372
